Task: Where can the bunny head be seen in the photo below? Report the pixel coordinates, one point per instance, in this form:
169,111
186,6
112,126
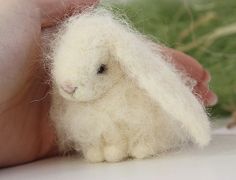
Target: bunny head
94,50
84,68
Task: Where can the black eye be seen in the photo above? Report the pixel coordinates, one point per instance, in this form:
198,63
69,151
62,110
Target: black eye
102,69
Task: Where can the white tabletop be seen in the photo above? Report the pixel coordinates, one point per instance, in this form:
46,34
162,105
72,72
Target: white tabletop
216,162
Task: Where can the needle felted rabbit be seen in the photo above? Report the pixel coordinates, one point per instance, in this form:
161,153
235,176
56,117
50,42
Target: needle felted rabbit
115,96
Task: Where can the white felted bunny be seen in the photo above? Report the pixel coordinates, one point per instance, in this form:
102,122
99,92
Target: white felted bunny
115,96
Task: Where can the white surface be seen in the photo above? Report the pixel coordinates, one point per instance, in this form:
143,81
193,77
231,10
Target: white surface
216,162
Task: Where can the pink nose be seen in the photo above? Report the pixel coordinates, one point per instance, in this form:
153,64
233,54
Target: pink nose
68,88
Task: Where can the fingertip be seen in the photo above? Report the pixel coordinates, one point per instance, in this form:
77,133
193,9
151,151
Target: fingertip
211,99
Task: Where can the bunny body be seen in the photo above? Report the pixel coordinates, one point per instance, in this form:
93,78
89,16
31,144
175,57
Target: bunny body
114,96
129,125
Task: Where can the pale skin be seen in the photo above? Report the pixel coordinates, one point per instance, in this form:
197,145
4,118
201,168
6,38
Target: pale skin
25,131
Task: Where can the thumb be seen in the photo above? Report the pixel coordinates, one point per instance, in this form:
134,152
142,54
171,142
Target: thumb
54,10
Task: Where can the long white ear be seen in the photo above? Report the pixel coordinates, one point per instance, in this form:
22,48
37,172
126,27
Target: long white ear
161,82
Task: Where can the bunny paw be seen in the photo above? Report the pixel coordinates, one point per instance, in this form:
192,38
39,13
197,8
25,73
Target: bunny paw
114,153
141,151
94,154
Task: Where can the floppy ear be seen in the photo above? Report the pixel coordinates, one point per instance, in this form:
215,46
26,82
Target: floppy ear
161,82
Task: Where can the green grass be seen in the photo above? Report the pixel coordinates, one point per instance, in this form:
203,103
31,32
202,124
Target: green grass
205,29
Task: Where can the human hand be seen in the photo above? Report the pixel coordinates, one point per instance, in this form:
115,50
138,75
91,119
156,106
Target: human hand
25,130
197,72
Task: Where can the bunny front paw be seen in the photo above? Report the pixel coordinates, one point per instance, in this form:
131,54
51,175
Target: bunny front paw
141,151
94,154
114,153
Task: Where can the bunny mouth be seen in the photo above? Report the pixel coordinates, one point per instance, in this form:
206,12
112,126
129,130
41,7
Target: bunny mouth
74,97
66,95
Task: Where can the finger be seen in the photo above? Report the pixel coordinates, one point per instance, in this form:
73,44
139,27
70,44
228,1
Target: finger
208,97
54,10
197,72
211,99
193,68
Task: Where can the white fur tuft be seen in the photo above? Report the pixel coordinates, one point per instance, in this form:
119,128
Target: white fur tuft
137,108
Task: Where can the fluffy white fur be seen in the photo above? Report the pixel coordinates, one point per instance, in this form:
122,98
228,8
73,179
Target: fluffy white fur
138,108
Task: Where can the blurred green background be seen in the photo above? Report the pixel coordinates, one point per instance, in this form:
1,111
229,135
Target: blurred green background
204,29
